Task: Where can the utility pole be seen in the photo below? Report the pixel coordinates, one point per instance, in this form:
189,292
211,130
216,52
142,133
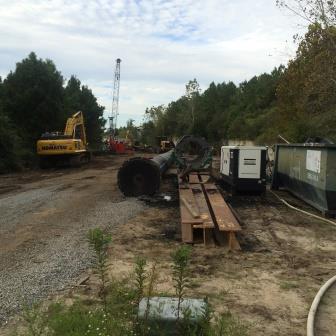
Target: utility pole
115,101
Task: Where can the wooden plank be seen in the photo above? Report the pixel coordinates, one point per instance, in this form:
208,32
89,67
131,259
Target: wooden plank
186,214
233,242
225,219
187,233
205,177
208,236
193,211
194,222
183,184
196,200
189,210
202,206
187,219
196,196
203,226
193,178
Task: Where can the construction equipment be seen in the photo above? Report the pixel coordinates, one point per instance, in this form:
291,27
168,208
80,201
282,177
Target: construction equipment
115,100
114,145
166,145
68,148
243,168
163,144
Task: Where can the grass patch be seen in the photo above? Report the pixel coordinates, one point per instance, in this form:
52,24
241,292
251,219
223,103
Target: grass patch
288,285
115,311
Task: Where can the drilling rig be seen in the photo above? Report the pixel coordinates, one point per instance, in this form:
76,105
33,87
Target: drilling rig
115,100
114,144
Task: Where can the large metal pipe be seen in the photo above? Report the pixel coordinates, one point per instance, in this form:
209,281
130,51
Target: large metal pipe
142,176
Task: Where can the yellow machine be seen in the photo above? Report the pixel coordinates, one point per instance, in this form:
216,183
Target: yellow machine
165,146
68,148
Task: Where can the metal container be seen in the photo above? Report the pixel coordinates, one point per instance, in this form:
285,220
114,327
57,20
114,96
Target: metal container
309,172
161,314
244,168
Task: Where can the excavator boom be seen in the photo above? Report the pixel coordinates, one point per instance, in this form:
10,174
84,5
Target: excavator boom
75,124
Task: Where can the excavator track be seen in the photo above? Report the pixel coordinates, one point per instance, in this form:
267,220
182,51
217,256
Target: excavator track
60,161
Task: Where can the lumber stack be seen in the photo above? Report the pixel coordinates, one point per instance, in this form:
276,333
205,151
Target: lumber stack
204,213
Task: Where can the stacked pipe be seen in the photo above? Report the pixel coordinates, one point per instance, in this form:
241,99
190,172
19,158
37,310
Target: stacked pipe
142,176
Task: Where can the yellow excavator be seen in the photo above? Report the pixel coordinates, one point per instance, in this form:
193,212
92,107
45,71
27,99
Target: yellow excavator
68,148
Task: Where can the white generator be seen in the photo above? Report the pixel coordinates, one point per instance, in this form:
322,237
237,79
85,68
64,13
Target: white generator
244,168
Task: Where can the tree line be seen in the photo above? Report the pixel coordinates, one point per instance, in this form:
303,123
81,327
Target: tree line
297,101
35,98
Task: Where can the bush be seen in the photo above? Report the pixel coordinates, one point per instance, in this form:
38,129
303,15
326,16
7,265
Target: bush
11,152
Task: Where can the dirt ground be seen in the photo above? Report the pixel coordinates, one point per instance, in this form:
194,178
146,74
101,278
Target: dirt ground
271,283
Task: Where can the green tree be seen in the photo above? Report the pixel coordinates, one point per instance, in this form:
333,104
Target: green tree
33,98
214,112
148,131
192,92
222,111
156,115
177,118
10,143
130,131
306,93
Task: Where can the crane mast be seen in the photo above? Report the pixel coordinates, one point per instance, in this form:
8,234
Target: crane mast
115,99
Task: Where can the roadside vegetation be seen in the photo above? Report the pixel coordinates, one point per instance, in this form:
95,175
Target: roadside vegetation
114,311
297,101
35,98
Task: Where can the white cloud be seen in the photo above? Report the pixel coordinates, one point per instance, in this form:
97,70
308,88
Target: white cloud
162,44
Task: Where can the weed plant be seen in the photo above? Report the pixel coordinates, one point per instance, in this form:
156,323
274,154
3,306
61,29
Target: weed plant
116,314
181,259
99,241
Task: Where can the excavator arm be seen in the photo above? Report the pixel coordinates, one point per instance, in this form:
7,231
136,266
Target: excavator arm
75,127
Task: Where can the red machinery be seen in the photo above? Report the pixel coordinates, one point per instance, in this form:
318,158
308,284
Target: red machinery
119,146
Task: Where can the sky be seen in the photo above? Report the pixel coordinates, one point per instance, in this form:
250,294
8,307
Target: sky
162,44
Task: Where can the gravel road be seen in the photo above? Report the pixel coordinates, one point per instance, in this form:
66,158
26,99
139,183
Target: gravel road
43,228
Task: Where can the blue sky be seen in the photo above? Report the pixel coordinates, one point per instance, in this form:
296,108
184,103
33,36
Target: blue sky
162,44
